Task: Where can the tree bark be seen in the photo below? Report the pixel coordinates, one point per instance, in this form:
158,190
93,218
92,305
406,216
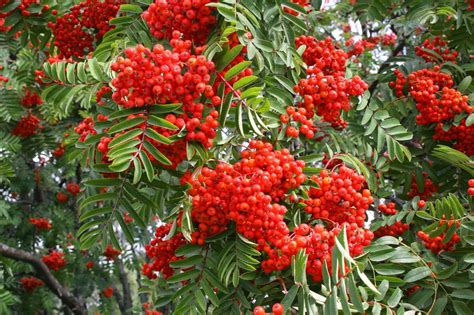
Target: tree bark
45,274
127,296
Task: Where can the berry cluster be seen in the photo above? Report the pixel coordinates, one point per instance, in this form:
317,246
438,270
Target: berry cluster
147,307
62,197
111,253
160,76
75,31
432,91
277,308
31,99
84,128
411,290
389,39
31,283
107,292
437,45
89,264
193,18
55,260
388,209
73,188
162,252
41,223
25,5
428,190
27,126
360,46
59,151
326,91
244,193
462,136
396,229
127,218
306,126
437,243
341,197
320,241
470,190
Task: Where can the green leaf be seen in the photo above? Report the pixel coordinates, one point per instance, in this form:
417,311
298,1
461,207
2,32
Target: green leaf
187,275
151,133
290,296
235,70
130,8
464,85
150,174
227,57
96,70
244,81
187,262
103,182
395,298
125,137
417,274
95,212
126,124
160,157
160,122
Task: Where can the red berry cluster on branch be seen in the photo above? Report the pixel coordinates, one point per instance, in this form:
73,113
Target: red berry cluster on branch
428,190
244,193
162,252
358,47
62,197
27,126
439,47
432,91
73,188
326,91
55,260
75,31
306,126
462,136
59,151
31,283
41,223
107,292
161,76
84,128
395,229
277,309
111,253
31,99
320,241
389,39
437,244
193,18
388,208
470,190
341,197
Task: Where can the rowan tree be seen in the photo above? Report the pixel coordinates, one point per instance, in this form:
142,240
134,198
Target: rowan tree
236,157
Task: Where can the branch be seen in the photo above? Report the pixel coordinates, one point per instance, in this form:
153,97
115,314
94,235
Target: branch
44,273
395,52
